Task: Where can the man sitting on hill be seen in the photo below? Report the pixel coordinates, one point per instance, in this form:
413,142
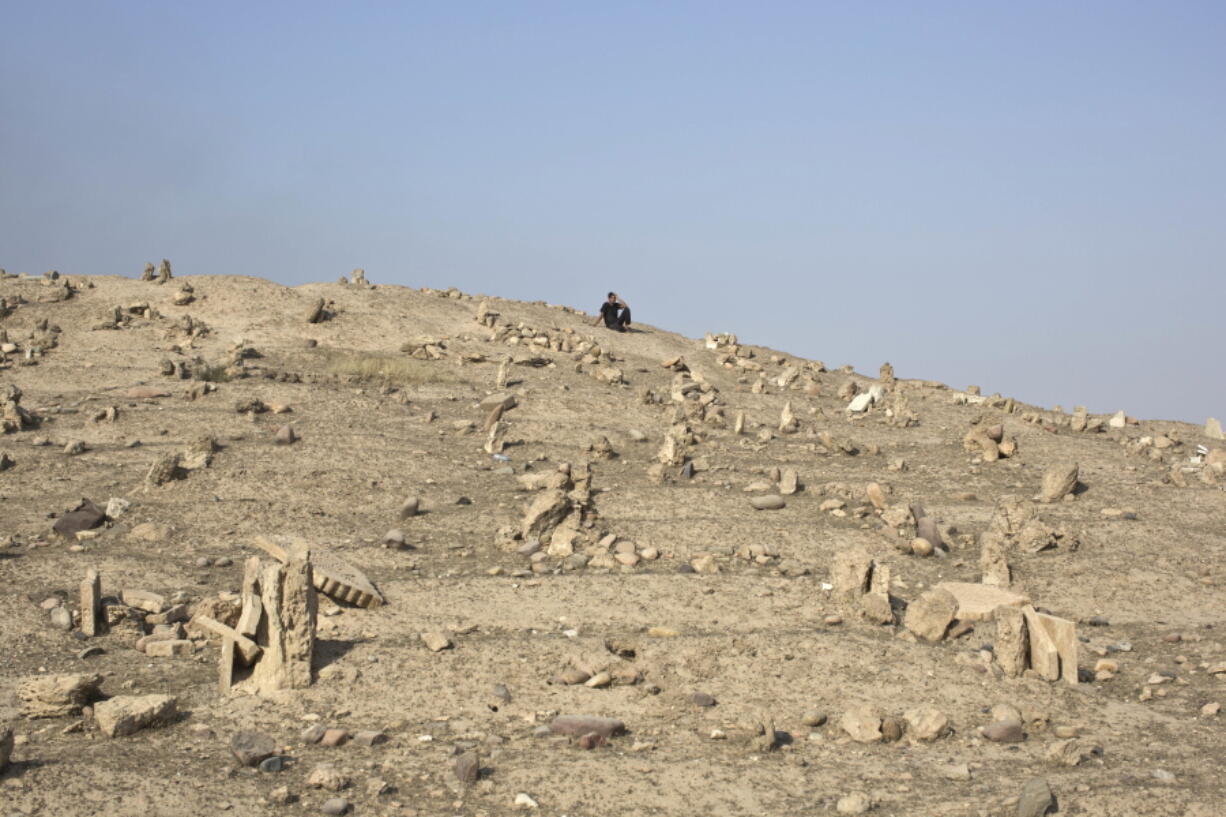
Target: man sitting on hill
615,313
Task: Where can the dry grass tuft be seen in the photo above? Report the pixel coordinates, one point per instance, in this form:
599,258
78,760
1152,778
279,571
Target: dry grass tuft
392,370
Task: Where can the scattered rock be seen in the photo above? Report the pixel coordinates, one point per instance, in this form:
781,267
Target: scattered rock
862,724
927,723
767,502
1036,799
856,802
1006,731
813,717
327,776
335,806
85,516
578,725
249,748
468,767
1058,480
702,699
369,737
436,641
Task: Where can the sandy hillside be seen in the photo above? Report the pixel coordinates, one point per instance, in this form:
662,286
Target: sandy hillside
609,561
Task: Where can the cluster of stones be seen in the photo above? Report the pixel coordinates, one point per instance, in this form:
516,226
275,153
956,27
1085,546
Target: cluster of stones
57,696
42,338
161,276
988,441
13,417
584,350
121,317
562,513
424,347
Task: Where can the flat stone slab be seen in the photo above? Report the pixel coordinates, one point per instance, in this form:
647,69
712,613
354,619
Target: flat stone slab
977,602
332,575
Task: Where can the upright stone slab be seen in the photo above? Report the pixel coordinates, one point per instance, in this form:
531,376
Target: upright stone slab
225,667
850,574
287,629
992,559
93,622
1044,657
926,528
1011,647
1063,634
875,604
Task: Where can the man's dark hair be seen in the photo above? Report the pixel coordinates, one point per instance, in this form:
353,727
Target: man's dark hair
612,294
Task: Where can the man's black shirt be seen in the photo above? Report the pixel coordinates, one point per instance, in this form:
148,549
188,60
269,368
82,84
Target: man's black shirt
608,311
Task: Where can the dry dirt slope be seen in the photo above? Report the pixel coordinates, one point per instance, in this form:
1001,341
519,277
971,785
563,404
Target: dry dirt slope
755,633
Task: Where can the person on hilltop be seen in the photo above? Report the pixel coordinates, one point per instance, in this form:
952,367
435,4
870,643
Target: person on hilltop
615,313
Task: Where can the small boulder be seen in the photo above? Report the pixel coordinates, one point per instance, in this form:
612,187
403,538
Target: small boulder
767,502
1006,731
1036,798
927,723
862,724
249,748
1058,480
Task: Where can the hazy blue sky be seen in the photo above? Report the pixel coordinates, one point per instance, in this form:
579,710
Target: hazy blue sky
1026,196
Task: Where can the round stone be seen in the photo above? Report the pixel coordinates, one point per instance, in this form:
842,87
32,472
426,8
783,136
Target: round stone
335,806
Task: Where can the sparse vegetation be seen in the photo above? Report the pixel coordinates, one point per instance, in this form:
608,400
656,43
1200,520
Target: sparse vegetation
392,370
217,373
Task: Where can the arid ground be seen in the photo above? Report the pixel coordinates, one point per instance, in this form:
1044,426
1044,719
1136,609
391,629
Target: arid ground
669,580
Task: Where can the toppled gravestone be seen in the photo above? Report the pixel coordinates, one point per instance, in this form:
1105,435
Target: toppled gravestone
127,714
